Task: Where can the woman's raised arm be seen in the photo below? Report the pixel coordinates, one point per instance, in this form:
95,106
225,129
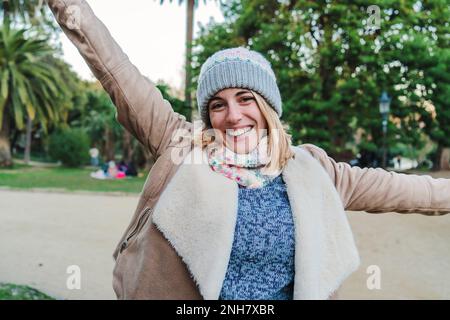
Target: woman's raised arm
141,108
377,190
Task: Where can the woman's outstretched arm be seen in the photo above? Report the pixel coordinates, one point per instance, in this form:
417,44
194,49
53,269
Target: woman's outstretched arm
377,190
141,108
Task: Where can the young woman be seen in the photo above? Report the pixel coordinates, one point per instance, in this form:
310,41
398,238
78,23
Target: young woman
251,217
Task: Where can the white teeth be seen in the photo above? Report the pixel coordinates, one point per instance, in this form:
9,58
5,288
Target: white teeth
238,132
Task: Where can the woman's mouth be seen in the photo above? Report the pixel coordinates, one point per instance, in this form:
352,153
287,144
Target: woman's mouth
239,133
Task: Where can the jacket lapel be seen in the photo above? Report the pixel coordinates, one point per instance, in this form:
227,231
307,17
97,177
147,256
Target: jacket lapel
197,214
325,252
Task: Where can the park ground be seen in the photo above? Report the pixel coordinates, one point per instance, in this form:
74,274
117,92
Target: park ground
45,231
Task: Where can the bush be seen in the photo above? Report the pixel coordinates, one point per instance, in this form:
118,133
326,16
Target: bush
425,165
70,146
10,291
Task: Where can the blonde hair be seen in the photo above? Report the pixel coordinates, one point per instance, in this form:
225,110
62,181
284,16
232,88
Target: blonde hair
279,141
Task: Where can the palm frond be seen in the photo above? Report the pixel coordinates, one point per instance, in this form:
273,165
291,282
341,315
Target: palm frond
29,78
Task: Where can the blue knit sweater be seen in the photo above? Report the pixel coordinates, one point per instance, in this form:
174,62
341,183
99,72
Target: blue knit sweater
261,265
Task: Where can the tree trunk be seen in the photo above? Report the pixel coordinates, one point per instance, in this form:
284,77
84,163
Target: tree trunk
5,146
6,13
109,145
436,159
444,159
127,151
189,38
28,140
14,134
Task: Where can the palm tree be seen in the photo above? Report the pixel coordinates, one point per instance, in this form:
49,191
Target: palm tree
34,12
101,124
28,85
191,5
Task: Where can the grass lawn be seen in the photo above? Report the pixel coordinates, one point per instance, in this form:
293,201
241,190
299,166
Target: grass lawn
15,292
70,179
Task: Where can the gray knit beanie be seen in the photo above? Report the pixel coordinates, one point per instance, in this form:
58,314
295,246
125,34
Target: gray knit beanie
236,68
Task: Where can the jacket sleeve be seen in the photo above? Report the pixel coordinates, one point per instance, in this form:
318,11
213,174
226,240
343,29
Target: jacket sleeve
377,190
141,108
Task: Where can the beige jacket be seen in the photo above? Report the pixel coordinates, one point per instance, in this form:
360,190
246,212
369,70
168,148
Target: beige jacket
178,242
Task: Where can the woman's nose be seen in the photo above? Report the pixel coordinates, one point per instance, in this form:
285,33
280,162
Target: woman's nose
234,114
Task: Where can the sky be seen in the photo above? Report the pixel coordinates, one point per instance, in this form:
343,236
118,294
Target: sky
152,35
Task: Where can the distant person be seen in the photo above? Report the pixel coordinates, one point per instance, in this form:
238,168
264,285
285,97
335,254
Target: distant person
131,170
123,166
128,168
399,162
93,152
367,159
105,168
112,169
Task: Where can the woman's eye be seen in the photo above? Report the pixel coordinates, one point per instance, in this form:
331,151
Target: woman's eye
217,105
247,98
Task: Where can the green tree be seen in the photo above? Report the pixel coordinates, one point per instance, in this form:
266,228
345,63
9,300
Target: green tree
412,44
70,146
97,116
34,16
177,104
27,12
99,121
332,63
439,93
30,85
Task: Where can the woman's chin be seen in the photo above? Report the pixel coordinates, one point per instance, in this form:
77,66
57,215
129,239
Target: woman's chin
242,145
241,148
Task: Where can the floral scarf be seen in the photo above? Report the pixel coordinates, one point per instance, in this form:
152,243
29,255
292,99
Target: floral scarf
246,169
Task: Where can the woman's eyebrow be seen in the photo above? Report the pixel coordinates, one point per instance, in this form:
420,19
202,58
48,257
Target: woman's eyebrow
236,95
241,92
215,98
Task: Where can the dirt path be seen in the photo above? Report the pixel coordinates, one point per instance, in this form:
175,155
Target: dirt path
41,234
412,252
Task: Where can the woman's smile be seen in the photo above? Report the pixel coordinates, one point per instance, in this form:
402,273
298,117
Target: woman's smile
235,113
240,138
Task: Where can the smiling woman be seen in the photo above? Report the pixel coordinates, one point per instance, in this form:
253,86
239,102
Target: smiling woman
236,115
226,228
240,120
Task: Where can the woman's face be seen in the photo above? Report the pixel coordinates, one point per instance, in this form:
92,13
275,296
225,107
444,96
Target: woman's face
235,113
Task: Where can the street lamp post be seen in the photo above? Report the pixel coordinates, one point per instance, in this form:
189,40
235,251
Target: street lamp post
385,102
